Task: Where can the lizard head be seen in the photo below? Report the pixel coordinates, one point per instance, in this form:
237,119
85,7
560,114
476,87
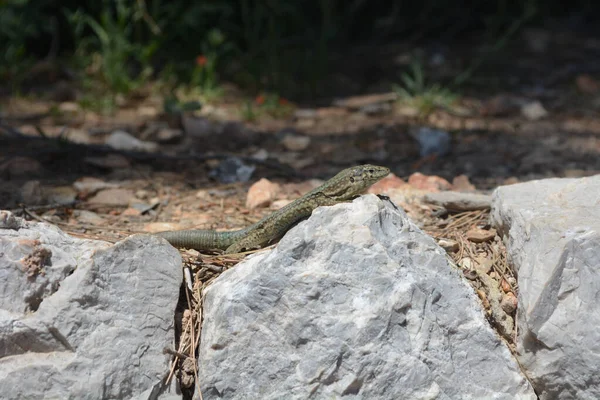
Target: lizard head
353,181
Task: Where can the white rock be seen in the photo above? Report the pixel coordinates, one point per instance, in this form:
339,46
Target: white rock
90,321
552,233
356,303
122,140
534,111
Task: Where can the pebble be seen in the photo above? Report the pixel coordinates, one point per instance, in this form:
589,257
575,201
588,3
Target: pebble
386,184
430,183
122,140
449,245
534,111
169,135
88,217
91,185
295,142
509,303
262,194
154,227
459,201
113,197
478,235
19,167
461,183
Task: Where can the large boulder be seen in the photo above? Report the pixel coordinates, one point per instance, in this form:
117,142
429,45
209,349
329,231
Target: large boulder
356,302
83,319
552,232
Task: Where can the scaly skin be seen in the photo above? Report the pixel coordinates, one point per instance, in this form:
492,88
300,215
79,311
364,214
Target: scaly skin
345,186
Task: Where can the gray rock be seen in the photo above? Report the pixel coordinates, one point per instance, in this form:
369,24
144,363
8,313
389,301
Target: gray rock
552,233
355,302
459,201
34,260
103,316
432,141
122,140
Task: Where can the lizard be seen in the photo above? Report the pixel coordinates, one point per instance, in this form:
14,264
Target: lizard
345,186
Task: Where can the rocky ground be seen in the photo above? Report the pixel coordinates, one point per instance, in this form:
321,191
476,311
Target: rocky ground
143,169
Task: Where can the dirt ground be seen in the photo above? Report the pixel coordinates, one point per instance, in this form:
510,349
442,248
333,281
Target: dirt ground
531,113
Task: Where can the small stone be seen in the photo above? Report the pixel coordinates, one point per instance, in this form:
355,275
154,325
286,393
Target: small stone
430,183
203,194
199,127
131,212
88,217
478,235
142,194
69,107
305,123
277,204
387,184
534,111
512,281
168,135
501,106
449,245
329,112
461,183
484,264
80,136
483,296
505,286
147,111
122,140
587,84
295,142
509,303
60,195
261,194
154,227
261,154
376,109
113,197
305,113
19,167
90,185
432,141
511,181
32,193
459,201
466,263
407,111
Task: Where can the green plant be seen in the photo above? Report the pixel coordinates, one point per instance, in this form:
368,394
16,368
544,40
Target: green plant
274,105
103,103
112,54
18,25
270,104
204,76
172,105
417,93
248,112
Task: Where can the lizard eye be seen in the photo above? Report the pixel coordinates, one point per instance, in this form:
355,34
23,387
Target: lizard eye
352,179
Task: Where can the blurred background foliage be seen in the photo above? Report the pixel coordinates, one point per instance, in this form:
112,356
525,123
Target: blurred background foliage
281,46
